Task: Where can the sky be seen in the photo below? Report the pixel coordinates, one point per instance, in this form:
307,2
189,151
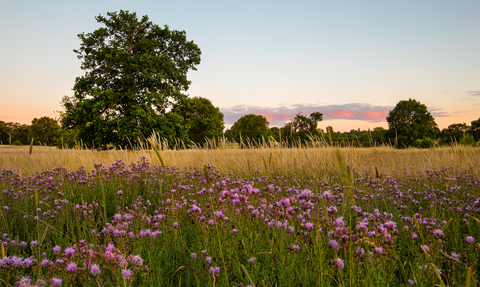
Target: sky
353,61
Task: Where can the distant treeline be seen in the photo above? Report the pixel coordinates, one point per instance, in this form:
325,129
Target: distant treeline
47,131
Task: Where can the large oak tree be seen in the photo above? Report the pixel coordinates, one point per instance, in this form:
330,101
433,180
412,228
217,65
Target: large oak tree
410,121
134,72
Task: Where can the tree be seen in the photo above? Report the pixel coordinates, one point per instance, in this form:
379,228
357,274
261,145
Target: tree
475,130
44,130
4,136
250,127
134,71
409,121
205,121
378,135
453,133
301,128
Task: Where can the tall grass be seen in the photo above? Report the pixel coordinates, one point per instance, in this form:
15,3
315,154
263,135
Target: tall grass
265,159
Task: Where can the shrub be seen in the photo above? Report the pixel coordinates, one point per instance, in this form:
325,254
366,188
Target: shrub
467,140
424,143
17,143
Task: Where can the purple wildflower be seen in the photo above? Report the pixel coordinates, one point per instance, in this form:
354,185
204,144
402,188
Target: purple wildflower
339,262
71,268
34,244
439,233
193,255
55,282
309,225
95,269
208,260
252,260
378,250
470,239
410,282
333,244
137,260
214,270
390,224
127,274
24,282
69,252
56,250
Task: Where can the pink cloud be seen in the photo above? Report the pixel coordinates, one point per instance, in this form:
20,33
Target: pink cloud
277,116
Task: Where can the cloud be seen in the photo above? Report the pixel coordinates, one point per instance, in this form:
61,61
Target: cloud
474,93
277,116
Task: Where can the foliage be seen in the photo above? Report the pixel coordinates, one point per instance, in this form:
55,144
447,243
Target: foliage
467,140
453,133
409,121
134,71
302,128
275,133
204,120
17,143
475,130
4,136
67,138
250,128
44,131
424,143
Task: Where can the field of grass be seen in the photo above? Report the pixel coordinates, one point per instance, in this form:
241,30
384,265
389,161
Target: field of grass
240,217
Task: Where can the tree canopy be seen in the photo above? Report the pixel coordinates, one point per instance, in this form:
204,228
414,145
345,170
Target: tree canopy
302,128
44,131
250,127
474,129
134,72
453,133
410,121
204,120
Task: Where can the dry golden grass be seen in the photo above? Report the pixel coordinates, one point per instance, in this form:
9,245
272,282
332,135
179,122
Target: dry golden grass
308,161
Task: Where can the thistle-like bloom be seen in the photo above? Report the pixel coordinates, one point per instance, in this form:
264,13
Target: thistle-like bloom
333,244
127,274
95,269
55,282
309,225
214,270
296,247
40,283
69,252
24,282
410,282
34,244
470,239
56,250
378,250
137,260
193,255
455,255
390,224
71,268
252,260
339,262
208,260
439,233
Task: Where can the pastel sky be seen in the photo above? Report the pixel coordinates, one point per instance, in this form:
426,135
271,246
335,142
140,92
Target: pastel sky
350,60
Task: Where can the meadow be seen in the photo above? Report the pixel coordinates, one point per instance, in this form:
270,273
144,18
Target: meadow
268,216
